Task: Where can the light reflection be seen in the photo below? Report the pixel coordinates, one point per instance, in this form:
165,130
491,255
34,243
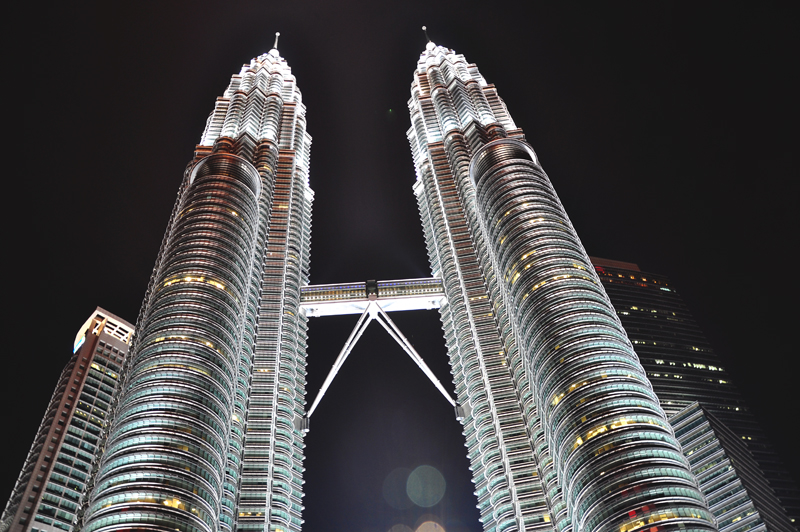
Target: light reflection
425,486
430,526
394,489
401,528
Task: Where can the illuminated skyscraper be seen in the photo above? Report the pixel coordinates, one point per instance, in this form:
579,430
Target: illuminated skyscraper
205,430
563,428
53,480
682,365
735,489
206,436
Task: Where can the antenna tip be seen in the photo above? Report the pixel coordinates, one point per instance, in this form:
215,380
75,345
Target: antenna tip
425,29
277,34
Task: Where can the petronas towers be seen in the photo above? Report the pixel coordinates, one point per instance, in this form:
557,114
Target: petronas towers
562,428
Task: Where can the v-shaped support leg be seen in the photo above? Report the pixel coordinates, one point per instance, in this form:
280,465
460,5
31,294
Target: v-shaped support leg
375,312
384,319
358,330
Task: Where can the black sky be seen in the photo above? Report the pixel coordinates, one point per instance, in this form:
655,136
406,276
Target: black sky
669,132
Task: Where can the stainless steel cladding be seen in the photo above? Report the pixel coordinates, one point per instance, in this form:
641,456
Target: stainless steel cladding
164,463
205,436
451,108
618,461
563,429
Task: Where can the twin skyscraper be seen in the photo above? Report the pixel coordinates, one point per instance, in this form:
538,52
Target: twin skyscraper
563,429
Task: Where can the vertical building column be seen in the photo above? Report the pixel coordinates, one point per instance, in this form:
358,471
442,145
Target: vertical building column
619,464
164,462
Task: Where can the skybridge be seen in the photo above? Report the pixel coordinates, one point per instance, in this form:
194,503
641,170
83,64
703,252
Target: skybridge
354,298
372,300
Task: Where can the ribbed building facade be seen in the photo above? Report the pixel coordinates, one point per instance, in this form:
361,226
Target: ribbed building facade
205,436
731,480
563,428
682,365
514,479
51,487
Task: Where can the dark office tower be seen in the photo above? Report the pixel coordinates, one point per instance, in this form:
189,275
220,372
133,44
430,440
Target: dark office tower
735,489
53,480
563,428
205,436
682,365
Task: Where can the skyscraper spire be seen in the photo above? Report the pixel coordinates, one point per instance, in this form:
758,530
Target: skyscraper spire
277,34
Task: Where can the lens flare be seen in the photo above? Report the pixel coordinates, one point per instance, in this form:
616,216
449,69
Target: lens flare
394,489
425,486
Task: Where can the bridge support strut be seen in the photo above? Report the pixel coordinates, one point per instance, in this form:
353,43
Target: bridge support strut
375,312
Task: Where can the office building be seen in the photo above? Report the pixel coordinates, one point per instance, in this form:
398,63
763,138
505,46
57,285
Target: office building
563,428
53,480
205,436
731,480
683,367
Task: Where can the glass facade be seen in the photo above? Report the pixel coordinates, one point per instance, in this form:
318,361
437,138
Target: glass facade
53,481
206,434
682,365
512,472
563,428
735,489
167,451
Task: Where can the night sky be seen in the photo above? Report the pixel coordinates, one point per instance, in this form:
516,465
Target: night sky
670,134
